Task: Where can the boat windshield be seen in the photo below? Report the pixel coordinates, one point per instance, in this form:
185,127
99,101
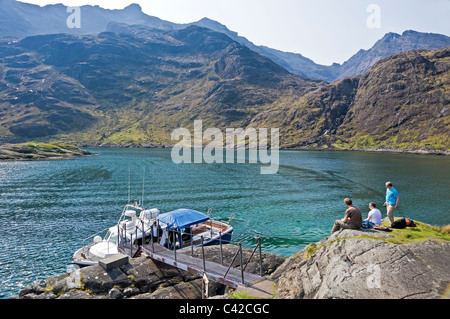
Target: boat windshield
111,237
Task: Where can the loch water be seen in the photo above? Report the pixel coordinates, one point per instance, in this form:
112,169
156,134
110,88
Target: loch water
47,208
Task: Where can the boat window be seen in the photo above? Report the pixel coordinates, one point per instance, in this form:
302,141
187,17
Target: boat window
111,237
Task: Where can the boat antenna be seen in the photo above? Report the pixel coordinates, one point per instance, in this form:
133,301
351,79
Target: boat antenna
143,184
129,172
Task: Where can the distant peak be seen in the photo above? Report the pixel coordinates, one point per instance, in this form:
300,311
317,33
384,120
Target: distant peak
133,7
410,32
205,19
388,37
391,35
208,22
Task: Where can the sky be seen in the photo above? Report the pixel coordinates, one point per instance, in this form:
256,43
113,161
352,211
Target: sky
326,31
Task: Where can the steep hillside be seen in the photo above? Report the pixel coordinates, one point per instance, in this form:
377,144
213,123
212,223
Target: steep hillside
402,103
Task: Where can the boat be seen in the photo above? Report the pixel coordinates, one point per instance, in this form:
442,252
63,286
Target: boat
90,253
187,228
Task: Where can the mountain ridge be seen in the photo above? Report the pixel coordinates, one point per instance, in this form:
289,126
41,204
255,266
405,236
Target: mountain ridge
96,19
137,86
133,85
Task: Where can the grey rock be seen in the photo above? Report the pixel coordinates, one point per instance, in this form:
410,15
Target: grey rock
363,268
131,291
98,280
115,293
76,294
47,295
185,290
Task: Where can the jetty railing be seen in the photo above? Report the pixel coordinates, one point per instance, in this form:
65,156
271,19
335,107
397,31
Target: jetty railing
127,246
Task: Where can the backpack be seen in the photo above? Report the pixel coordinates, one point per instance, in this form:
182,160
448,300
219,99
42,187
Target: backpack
410,223
399,223
402,223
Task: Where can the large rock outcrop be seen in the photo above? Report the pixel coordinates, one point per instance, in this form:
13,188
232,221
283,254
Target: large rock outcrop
143,278
354,264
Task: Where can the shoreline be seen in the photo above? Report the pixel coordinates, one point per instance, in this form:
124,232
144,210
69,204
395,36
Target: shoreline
297,149
30,152
354,253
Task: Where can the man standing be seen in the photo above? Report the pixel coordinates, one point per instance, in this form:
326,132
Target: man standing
352,218
392,200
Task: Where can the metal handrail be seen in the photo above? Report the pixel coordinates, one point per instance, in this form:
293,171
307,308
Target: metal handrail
239,251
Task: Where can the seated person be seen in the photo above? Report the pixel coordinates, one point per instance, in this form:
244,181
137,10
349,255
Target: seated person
374,215
351,220
187,234
168,244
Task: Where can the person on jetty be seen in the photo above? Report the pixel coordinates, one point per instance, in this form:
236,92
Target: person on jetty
392,200
374,215
352,218
156,232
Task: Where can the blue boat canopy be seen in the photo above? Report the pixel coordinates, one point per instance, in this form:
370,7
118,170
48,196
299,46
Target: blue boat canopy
182,218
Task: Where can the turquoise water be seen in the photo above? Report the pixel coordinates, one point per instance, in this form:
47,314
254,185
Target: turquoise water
48,208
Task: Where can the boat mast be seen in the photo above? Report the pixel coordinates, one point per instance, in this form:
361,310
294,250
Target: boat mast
129,173
143,184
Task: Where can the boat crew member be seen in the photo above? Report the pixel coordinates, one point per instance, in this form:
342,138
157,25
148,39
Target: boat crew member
156,232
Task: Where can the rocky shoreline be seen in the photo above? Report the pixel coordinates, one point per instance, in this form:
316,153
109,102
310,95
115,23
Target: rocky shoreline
143,278
302,148
40,151
350,264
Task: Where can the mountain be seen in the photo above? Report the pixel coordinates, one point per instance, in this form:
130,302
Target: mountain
134,84
19,20
401,103
390,44
135,87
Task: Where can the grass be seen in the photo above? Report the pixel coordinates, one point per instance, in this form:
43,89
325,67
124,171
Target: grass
422,232
240,295
50,146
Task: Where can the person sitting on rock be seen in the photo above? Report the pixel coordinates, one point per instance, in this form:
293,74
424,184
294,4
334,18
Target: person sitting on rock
374,215
351,220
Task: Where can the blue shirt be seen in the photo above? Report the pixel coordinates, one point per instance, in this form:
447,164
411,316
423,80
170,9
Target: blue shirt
391,196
